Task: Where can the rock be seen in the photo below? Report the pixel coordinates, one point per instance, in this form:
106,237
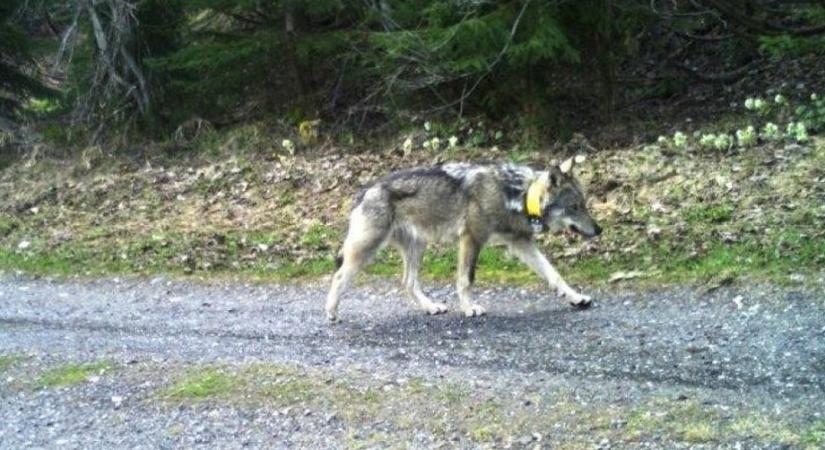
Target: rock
525,440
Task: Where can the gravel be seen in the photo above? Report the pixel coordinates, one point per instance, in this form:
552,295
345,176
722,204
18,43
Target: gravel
753,349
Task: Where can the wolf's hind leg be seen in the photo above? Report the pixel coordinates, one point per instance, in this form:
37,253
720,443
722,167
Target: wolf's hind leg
529,254
364,238
412,249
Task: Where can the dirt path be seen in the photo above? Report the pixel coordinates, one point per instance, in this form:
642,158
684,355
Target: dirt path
169,364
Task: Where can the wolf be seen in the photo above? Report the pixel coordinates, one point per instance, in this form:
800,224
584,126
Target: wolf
473,203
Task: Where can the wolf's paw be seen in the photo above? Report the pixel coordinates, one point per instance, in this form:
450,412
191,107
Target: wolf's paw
435,308
474,310
332,317
581,301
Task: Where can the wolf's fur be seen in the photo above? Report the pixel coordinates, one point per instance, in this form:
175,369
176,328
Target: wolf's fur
473,203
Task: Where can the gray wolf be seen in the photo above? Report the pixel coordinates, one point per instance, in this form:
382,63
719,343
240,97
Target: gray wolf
475,204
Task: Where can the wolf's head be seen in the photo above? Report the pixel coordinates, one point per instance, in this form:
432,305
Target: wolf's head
564,207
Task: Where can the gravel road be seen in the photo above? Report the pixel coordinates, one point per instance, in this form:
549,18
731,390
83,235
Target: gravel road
740,367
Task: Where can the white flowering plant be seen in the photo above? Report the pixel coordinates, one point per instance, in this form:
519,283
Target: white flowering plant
707,140
289,146
770,132
722,142
780,119
680,140
797,131
756,104
746,137
812,114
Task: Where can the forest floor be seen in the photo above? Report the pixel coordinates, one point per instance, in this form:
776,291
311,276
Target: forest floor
670,216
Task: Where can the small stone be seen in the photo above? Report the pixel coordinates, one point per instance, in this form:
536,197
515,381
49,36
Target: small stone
524,440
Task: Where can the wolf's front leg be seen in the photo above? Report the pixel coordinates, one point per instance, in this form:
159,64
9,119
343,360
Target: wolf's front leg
529,254
468,250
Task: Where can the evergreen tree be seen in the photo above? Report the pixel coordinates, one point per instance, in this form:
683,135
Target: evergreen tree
18,79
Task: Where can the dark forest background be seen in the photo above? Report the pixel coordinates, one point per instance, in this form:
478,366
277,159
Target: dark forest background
544,68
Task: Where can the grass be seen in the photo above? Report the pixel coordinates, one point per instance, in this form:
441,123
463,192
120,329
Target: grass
7,361
814,437
713,213
201,385
317,235
698,432
694,422
774,257
71,374
269,384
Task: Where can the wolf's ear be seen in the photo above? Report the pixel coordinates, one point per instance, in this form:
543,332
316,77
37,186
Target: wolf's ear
554,176
567,165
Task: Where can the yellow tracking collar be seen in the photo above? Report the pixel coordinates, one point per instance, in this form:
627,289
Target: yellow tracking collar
535,196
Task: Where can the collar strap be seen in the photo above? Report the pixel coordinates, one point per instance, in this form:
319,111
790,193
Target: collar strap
534,200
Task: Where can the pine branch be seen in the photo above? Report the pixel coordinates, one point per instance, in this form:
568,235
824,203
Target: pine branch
763,28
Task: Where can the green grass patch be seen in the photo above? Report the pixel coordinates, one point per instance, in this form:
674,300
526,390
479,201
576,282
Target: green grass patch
202,384
71,374
7,361
694,422
289,270
7,225
708,214
494,265
772,257
318,235
268,384
814,437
